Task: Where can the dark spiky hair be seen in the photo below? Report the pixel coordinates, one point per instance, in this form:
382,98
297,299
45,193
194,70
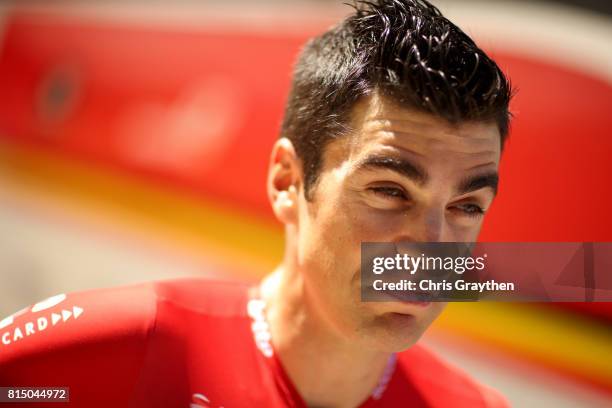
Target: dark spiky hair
405,49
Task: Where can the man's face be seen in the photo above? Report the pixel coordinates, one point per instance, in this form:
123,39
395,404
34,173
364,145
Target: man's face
402,175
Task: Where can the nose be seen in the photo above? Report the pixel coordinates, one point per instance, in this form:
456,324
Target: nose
423,226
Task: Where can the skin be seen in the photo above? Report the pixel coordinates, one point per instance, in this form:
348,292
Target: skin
333,346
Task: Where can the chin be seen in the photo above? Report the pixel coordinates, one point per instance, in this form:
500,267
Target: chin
394,332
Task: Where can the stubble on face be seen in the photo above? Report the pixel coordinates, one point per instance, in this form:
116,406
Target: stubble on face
345,212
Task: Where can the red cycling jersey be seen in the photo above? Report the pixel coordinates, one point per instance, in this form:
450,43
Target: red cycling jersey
188,343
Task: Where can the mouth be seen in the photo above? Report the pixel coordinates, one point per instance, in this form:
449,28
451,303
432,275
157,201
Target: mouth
415,303
407,308
415,298
419,303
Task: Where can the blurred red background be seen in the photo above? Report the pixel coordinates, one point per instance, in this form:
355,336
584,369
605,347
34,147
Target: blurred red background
164,131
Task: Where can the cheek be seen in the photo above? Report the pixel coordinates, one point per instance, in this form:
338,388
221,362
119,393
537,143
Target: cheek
329,256
325,239
379,226
366,223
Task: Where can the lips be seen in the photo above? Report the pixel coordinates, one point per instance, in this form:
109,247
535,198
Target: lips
422,299
371,290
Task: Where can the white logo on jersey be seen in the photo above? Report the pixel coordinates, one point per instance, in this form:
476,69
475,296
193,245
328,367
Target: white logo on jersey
9,320
200,401
37,324
6,322
259,326
48,303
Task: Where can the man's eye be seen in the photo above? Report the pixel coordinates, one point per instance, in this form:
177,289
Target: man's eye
389,192
471,210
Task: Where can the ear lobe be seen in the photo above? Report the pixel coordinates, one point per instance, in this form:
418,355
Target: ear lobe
284,174
284,199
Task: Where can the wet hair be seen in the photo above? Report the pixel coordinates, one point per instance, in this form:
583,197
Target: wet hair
407,51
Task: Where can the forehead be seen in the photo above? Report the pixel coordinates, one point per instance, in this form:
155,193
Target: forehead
379,124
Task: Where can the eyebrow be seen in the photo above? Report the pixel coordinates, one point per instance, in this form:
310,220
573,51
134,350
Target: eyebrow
402,166
416,173
473,183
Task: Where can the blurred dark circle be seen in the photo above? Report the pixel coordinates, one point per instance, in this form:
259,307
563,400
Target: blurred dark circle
58,94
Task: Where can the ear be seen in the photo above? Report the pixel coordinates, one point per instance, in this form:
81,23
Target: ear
284,179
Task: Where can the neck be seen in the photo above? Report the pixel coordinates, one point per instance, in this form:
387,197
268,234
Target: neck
327,370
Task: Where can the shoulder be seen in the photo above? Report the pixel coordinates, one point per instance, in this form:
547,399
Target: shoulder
213,298
443,384
65,319
101,336
89,341
120,312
